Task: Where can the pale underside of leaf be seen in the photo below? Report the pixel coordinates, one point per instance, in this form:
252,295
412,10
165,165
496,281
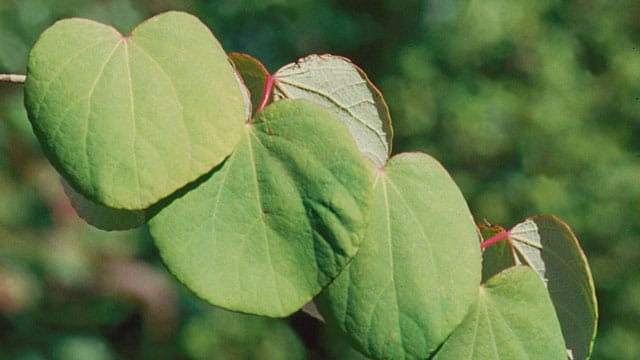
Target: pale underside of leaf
342,87
548,246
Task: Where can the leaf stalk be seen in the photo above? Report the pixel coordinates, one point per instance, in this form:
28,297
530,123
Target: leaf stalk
495,239
266,94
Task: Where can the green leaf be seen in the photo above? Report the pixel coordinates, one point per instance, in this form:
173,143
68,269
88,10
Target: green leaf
513,319
278,221
418,269
101,216
129,120
497,258
342,87
254,75
549,246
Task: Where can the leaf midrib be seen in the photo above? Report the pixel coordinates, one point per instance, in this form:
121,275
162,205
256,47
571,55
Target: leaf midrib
248,133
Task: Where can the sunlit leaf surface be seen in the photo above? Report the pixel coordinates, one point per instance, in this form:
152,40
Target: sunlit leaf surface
418,269
512,319
278,221
130,119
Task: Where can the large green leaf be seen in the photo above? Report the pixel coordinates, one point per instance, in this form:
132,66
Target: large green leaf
339,85
278,221
130,119
549,246
418,269
513,319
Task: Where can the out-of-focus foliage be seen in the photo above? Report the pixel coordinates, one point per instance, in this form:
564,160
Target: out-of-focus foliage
534,106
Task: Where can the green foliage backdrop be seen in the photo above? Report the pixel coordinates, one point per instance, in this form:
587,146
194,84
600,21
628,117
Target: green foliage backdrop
534,107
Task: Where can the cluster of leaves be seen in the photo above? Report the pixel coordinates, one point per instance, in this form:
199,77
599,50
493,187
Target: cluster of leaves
58,296
258,211
533,108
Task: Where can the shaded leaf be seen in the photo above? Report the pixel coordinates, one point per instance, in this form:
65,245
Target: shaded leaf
512,319
548,245
497,258
278,221
254,75
342,87
130,119
102,216
417,271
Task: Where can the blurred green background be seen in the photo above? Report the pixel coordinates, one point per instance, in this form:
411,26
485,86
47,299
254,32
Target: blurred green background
533,106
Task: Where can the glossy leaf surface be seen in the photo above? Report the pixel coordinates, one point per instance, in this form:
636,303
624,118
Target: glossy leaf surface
340,86
278,221
512,319
418,269
549,246
130,119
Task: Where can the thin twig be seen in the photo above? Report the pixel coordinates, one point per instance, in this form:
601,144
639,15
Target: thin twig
13,78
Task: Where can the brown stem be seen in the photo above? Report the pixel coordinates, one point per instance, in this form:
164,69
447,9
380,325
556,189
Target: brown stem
13,78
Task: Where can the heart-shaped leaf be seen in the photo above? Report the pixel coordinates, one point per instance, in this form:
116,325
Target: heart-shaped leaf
548,245
254,75
278,221
130,119
418,269
342,87
513,319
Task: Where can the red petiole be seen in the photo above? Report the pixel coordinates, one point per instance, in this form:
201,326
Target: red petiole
266,94
495,239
